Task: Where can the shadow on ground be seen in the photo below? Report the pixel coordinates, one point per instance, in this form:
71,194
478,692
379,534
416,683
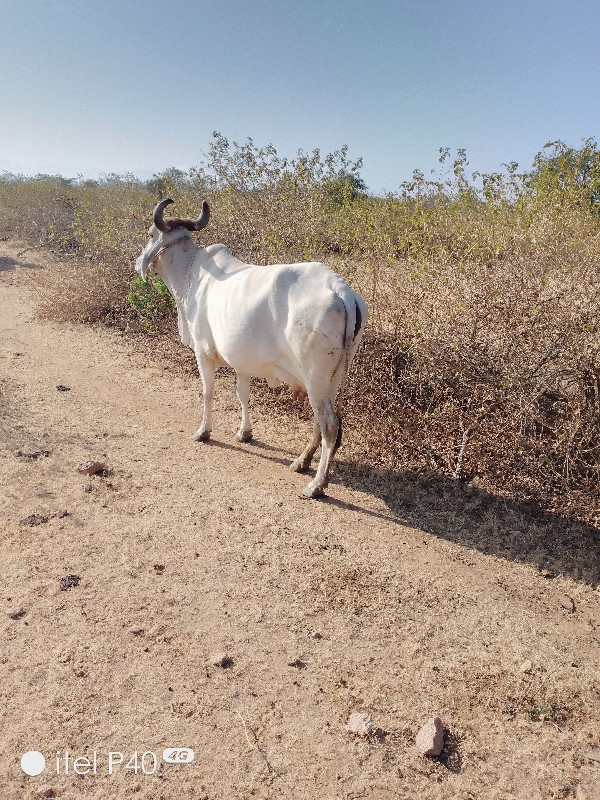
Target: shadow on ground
8,263
474,518
512,529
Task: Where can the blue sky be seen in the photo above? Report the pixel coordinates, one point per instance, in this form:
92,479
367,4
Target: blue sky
116,85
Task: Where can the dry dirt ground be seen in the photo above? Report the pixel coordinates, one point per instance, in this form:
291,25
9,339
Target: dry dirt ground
398,596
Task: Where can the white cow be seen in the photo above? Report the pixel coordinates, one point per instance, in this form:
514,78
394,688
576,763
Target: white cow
297,324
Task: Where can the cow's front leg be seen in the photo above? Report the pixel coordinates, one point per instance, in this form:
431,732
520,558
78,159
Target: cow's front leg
206,368
243,392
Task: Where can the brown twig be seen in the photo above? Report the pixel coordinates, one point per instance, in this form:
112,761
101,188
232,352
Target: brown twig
32,247
256,744
461,454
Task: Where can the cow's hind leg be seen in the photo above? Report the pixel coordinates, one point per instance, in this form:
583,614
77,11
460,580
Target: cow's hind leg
243,392
207,375
302,463
329,424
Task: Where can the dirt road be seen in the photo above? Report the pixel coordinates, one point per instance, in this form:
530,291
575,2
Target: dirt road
395,596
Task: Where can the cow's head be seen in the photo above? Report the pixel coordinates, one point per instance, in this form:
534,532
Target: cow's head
166,232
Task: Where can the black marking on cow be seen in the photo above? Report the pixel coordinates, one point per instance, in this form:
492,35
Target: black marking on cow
358,324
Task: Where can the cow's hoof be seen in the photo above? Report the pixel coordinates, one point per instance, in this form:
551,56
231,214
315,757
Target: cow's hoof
243,436
311,492
201,436
298,465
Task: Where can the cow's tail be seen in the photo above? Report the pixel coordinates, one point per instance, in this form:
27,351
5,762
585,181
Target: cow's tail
356,317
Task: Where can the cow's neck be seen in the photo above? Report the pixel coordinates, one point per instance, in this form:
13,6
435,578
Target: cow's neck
179,276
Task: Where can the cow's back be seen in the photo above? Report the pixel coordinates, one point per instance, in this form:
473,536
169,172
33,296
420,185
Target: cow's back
264,315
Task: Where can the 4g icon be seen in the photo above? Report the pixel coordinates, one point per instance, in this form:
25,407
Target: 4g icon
178,755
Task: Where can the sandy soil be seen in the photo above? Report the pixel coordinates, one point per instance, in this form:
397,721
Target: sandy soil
399,596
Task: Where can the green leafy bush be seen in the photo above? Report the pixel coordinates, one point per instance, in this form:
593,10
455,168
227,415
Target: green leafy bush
151,300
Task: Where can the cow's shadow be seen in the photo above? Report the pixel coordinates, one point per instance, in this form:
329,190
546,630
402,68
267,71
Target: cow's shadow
477,519
254,447
516,530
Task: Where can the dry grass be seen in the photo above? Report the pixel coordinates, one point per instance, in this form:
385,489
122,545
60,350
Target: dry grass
482,358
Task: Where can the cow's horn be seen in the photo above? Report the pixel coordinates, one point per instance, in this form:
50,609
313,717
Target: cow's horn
157,216
204,217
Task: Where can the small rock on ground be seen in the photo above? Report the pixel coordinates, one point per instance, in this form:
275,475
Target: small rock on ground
68,582
360,723
567,602
91,467
222,660
17,613
430,739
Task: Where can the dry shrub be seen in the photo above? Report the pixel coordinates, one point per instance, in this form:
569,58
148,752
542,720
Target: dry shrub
492,371
98,228
482,356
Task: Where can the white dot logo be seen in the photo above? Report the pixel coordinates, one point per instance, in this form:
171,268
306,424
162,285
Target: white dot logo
33,763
